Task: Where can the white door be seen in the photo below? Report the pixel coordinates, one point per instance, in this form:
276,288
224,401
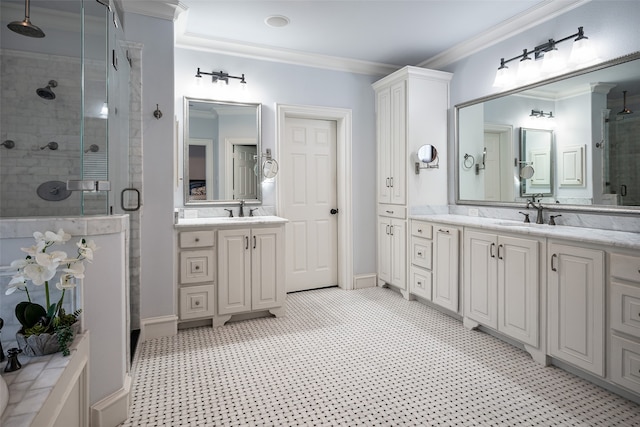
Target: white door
492,178
244,176
310,193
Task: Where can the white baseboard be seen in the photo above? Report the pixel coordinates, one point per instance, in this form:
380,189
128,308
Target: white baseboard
156,327
113,410
362,281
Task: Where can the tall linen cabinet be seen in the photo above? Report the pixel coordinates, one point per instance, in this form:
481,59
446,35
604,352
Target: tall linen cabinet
411,111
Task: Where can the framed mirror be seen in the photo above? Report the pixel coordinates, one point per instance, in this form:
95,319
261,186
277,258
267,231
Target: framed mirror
590,120
221,152
536,164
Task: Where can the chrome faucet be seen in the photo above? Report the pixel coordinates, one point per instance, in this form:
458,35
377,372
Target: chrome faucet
241,208
540,218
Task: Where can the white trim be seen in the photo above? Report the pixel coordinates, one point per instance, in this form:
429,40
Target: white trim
113,410
362,281
163,9
155,327
343,119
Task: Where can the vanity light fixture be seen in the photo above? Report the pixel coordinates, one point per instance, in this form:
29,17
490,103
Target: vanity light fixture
581,53
219,77
540,113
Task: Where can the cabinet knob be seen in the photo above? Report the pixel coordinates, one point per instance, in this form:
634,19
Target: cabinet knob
197,267
197,239
419,230
419,282
419,253
197,302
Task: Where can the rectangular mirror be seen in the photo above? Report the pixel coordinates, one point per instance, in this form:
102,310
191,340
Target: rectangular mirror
536,164
221,150
589,118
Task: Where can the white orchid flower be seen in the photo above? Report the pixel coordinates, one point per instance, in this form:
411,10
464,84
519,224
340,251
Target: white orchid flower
17,282
59,237
51,260
19,263
39,274
33,250
86,249
66,282
75,269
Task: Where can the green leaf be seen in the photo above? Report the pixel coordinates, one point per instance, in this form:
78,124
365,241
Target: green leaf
28,313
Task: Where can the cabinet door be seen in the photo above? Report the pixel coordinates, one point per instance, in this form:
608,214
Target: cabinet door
383,123
398,157
518,290
267,273
384,249
398,234
234,269
480,278
576,306
445,268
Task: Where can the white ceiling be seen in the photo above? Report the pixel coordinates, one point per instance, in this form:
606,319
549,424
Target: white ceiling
390,32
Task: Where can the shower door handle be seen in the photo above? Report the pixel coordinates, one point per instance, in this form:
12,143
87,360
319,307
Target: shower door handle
137,206
623,190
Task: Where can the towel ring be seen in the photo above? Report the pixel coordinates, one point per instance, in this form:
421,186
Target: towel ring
468,161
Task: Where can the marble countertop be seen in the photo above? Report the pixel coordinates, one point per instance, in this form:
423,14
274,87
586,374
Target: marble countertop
226,221
619,239
30,386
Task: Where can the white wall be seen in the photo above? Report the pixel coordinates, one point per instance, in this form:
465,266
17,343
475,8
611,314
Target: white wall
157,293
271,83
612,26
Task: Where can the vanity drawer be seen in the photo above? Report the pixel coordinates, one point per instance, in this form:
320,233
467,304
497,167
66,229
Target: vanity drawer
625,267
392,211
625,308
625,363
421,250
420,283
421,229
196,266
197,239
197,301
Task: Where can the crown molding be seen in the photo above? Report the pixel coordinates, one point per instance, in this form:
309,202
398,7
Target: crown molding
198,42
162,9
526,20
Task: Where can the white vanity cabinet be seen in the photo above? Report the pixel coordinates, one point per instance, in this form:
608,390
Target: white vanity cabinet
421,252
502,284
392,242
250,271
624,320
446,265
576,305
196,292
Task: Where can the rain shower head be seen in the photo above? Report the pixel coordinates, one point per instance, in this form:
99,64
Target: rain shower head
625,110
25,27
46,92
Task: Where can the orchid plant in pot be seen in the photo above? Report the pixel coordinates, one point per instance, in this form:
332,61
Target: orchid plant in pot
48,329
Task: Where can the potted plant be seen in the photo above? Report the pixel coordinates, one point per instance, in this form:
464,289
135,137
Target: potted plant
48,329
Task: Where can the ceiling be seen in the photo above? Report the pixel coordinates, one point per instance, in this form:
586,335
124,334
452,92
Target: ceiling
381,33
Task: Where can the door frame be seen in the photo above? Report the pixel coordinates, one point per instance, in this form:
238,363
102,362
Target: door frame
343,118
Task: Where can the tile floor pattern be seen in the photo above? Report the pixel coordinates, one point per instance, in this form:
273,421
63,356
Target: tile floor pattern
357,358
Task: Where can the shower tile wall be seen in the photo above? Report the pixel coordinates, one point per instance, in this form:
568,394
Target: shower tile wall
624,158
32,122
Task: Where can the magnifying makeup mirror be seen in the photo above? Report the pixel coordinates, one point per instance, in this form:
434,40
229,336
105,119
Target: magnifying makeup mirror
269,168
427,154
527,172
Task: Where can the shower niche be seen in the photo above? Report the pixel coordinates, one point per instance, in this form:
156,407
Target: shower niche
57,85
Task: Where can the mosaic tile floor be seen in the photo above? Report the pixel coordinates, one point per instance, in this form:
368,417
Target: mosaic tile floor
357,358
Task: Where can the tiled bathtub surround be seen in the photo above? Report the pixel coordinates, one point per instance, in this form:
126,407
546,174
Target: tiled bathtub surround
357,358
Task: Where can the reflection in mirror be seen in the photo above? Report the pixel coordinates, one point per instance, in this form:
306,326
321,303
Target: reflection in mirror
593,140
536,162
427,156
222,144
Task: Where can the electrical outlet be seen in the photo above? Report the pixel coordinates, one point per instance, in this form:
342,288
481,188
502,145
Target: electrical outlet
473,212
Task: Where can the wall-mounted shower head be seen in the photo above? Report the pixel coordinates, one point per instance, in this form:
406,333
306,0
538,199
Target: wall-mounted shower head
93,148
25,27
51,146
46,92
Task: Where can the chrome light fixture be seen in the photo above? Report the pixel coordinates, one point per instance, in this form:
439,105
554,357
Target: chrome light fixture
581,54
542,114
219,77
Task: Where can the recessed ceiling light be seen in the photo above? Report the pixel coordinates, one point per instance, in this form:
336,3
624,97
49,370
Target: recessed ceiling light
277,21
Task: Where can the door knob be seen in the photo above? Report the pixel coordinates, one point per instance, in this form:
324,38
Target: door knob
333,211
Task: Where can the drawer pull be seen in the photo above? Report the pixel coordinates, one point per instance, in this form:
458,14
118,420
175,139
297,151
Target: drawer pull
197,239
493,245
197,267
389,212
419,283
552,257
197,302
419,253
499,247
443,231
419,230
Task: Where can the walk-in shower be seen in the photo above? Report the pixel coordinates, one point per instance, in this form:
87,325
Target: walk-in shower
46,92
